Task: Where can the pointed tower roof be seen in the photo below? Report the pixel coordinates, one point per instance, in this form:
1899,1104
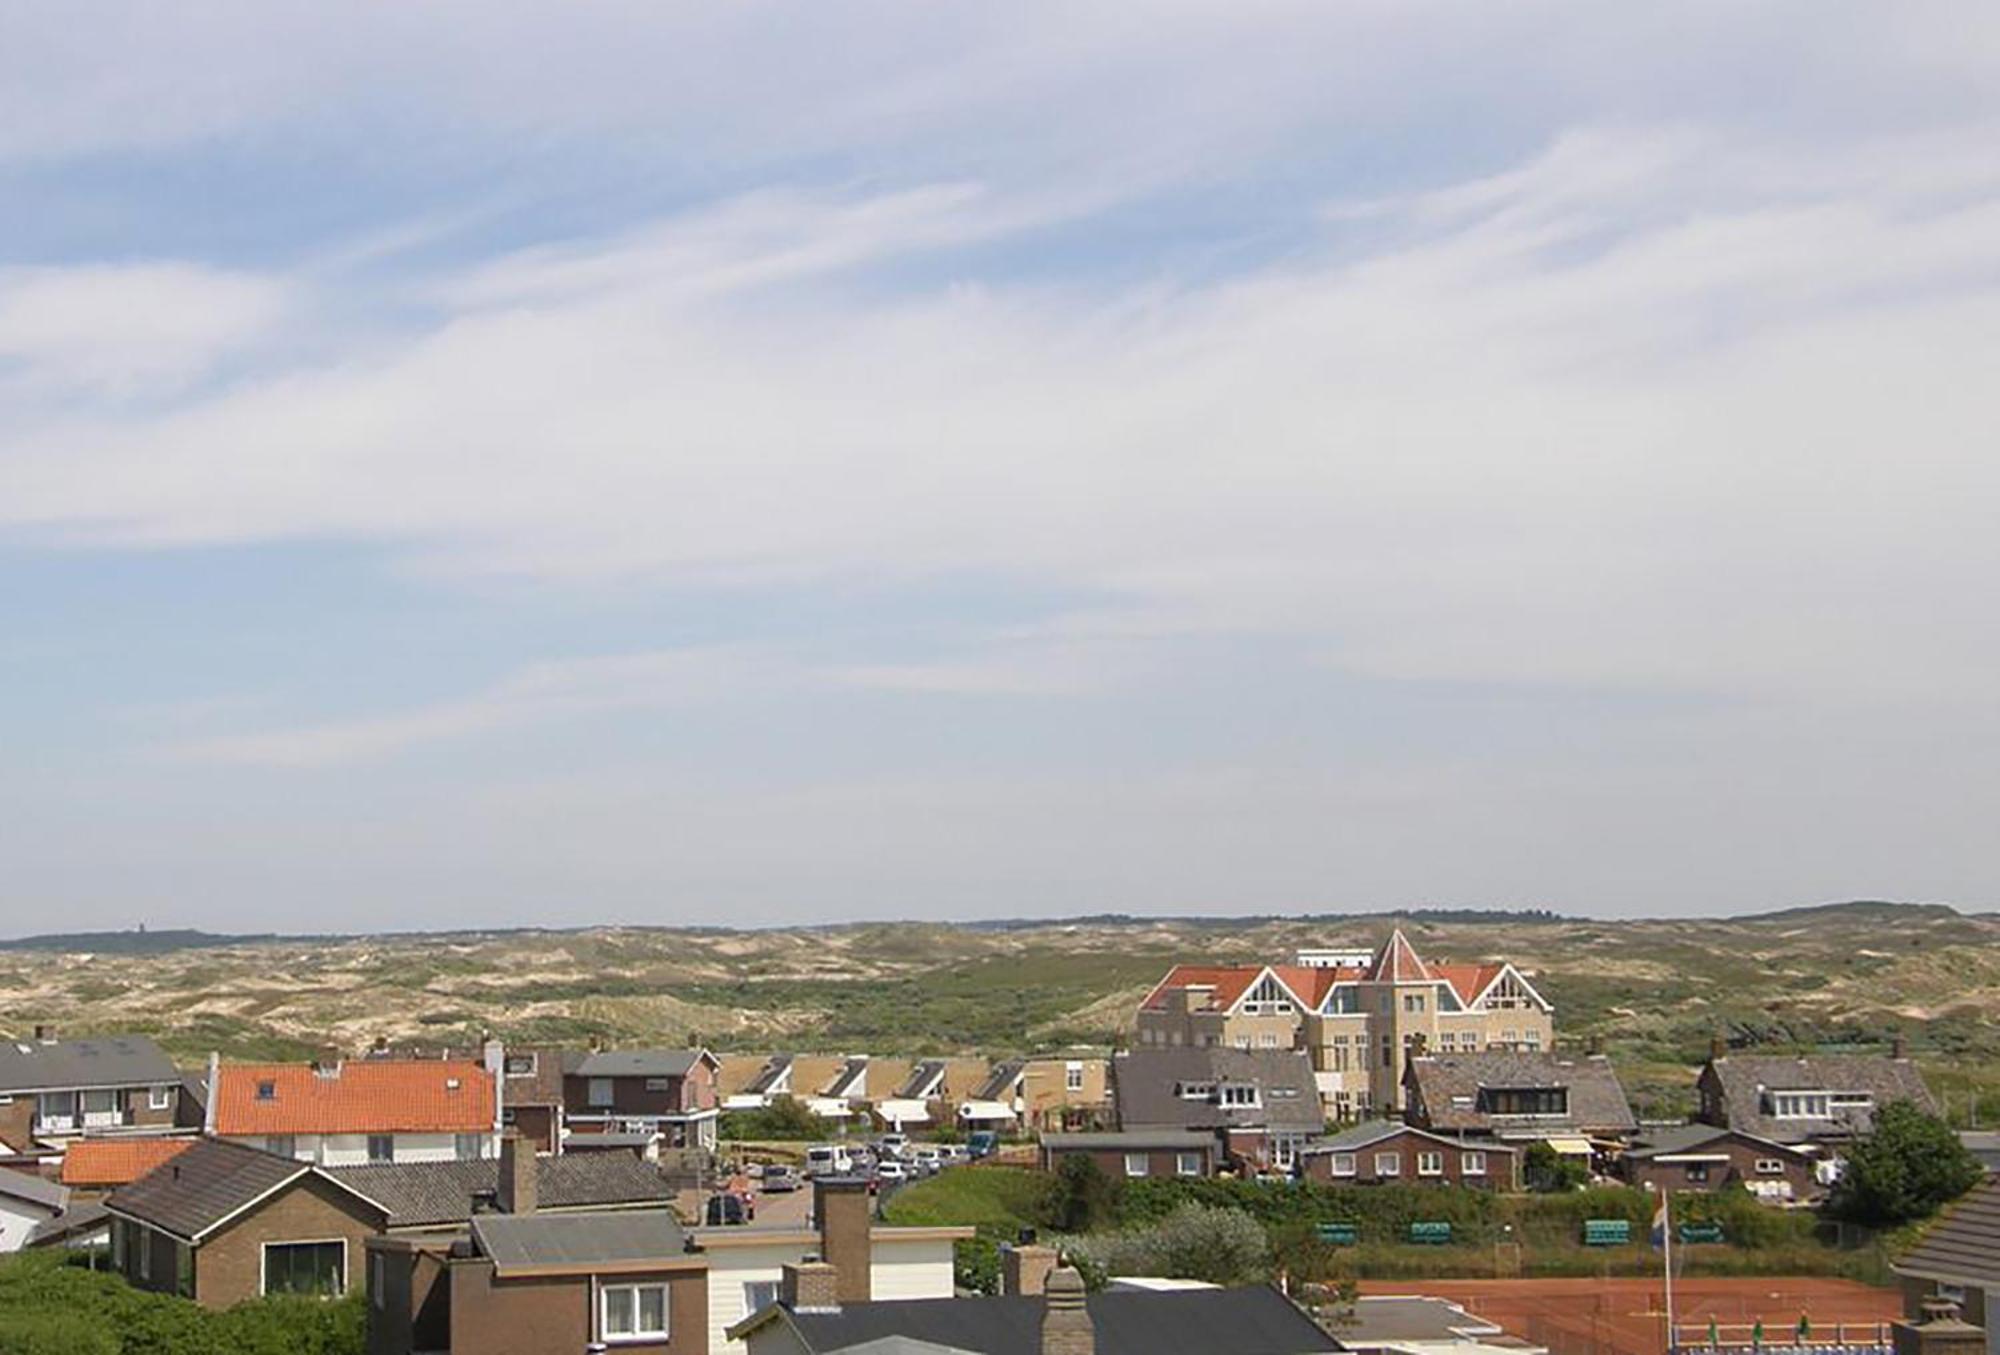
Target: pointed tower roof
1398,962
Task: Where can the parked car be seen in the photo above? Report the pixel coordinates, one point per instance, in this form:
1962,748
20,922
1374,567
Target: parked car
926,1158
893,1145
828,1159
778,1179
729,1210
891,1170
754,1171
953,1155
982,1143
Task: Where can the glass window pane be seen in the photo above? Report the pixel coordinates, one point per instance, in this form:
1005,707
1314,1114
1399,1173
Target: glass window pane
617,1312
653,1308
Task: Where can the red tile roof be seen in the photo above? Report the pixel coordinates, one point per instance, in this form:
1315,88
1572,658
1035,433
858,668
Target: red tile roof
1468,980
117,1162
1229,982
1398,962
370,1097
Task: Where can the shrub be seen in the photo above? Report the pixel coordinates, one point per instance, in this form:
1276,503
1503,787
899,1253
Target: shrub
1546,1170
1195,1242
1907,1166
784,1119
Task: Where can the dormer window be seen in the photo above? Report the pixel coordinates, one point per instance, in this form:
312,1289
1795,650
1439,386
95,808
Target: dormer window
520,1065
1238,1094
1524,1100
1802,1105
267,1090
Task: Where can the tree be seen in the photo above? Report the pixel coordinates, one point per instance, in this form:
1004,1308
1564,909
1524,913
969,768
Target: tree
1082,1198
784,1120
1550,1172
1905,1167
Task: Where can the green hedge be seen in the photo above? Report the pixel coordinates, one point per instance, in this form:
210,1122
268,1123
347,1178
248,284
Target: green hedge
51,1306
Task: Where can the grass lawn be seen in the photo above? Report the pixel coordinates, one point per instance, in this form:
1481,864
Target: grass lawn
989,1197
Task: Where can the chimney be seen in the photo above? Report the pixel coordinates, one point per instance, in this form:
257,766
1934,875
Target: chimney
210,1092
1716,1048
45,1034
841,1213
1025,1267
1594,1046
516,1192
811,1286
1940,1332
327,1062
1066,1328
1898,1049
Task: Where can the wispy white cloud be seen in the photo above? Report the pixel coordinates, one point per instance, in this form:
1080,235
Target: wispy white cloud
538,694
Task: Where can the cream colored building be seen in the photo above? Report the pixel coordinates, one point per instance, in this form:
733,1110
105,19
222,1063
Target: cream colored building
1358,1015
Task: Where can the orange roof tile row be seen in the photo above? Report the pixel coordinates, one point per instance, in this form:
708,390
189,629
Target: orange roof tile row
419,1096
117,1162
1396,962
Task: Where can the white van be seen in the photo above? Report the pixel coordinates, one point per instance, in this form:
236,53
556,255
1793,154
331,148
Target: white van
828,1159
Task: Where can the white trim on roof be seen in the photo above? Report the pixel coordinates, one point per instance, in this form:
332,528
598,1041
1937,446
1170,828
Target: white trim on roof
1506,968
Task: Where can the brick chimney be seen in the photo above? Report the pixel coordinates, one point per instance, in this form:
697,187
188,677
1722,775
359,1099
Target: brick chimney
1898,1049
1594,1046
841,1212
1940,1332
327,1062
1066,1328
516,1191
1716,1048
811,1286
1025,1267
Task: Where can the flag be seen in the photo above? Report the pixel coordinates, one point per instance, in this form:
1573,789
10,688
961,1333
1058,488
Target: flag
1660,1222
1714,1334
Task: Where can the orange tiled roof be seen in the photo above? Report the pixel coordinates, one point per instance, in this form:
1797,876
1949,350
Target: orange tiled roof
117,1162
1229,982
1398,961
377,1096
1468,980
1313,982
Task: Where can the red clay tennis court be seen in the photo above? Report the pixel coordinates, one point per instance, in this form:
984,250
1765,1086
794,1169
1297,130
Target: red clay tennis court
1589,1316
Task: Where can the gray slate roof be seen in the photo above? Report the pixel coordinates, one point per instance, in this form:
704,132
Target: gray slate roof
1251,1321
1146,1081
1371,1132
1668,1140
543,1087
850,1075
424,1194
115,1061
999,1083
638,1063
33,1190
1449,1085
1963,1245
1392,1319
1744,1079
579,1239
203,1186
76,1222
1131,1138
768,1076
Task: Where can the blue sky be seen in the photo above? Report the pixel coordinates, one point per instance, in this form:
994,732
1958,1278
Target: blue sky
492,464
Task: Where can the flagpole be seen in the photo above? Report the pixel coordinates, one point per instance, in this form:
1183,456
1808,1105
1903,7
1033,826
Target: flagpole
1667,1251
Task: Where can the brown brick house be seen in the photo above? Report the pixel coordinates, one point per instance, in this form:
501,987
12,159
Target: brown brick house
670,1092
1517,1096
1384,1153
220,1223
1707,1157
523,1282
54,1090
1827,1099
1137,1153
531,1096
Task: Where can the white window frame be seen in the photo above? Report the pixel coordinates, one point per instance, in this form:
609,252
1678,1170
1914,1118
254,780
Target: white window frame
1472,1163
1770,1166
1188,1164
1073,1077
637,1333
1341,1164
159,1098
1430,1162
1388,1164
753,1290
264,1260
1144,1161
507,1064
